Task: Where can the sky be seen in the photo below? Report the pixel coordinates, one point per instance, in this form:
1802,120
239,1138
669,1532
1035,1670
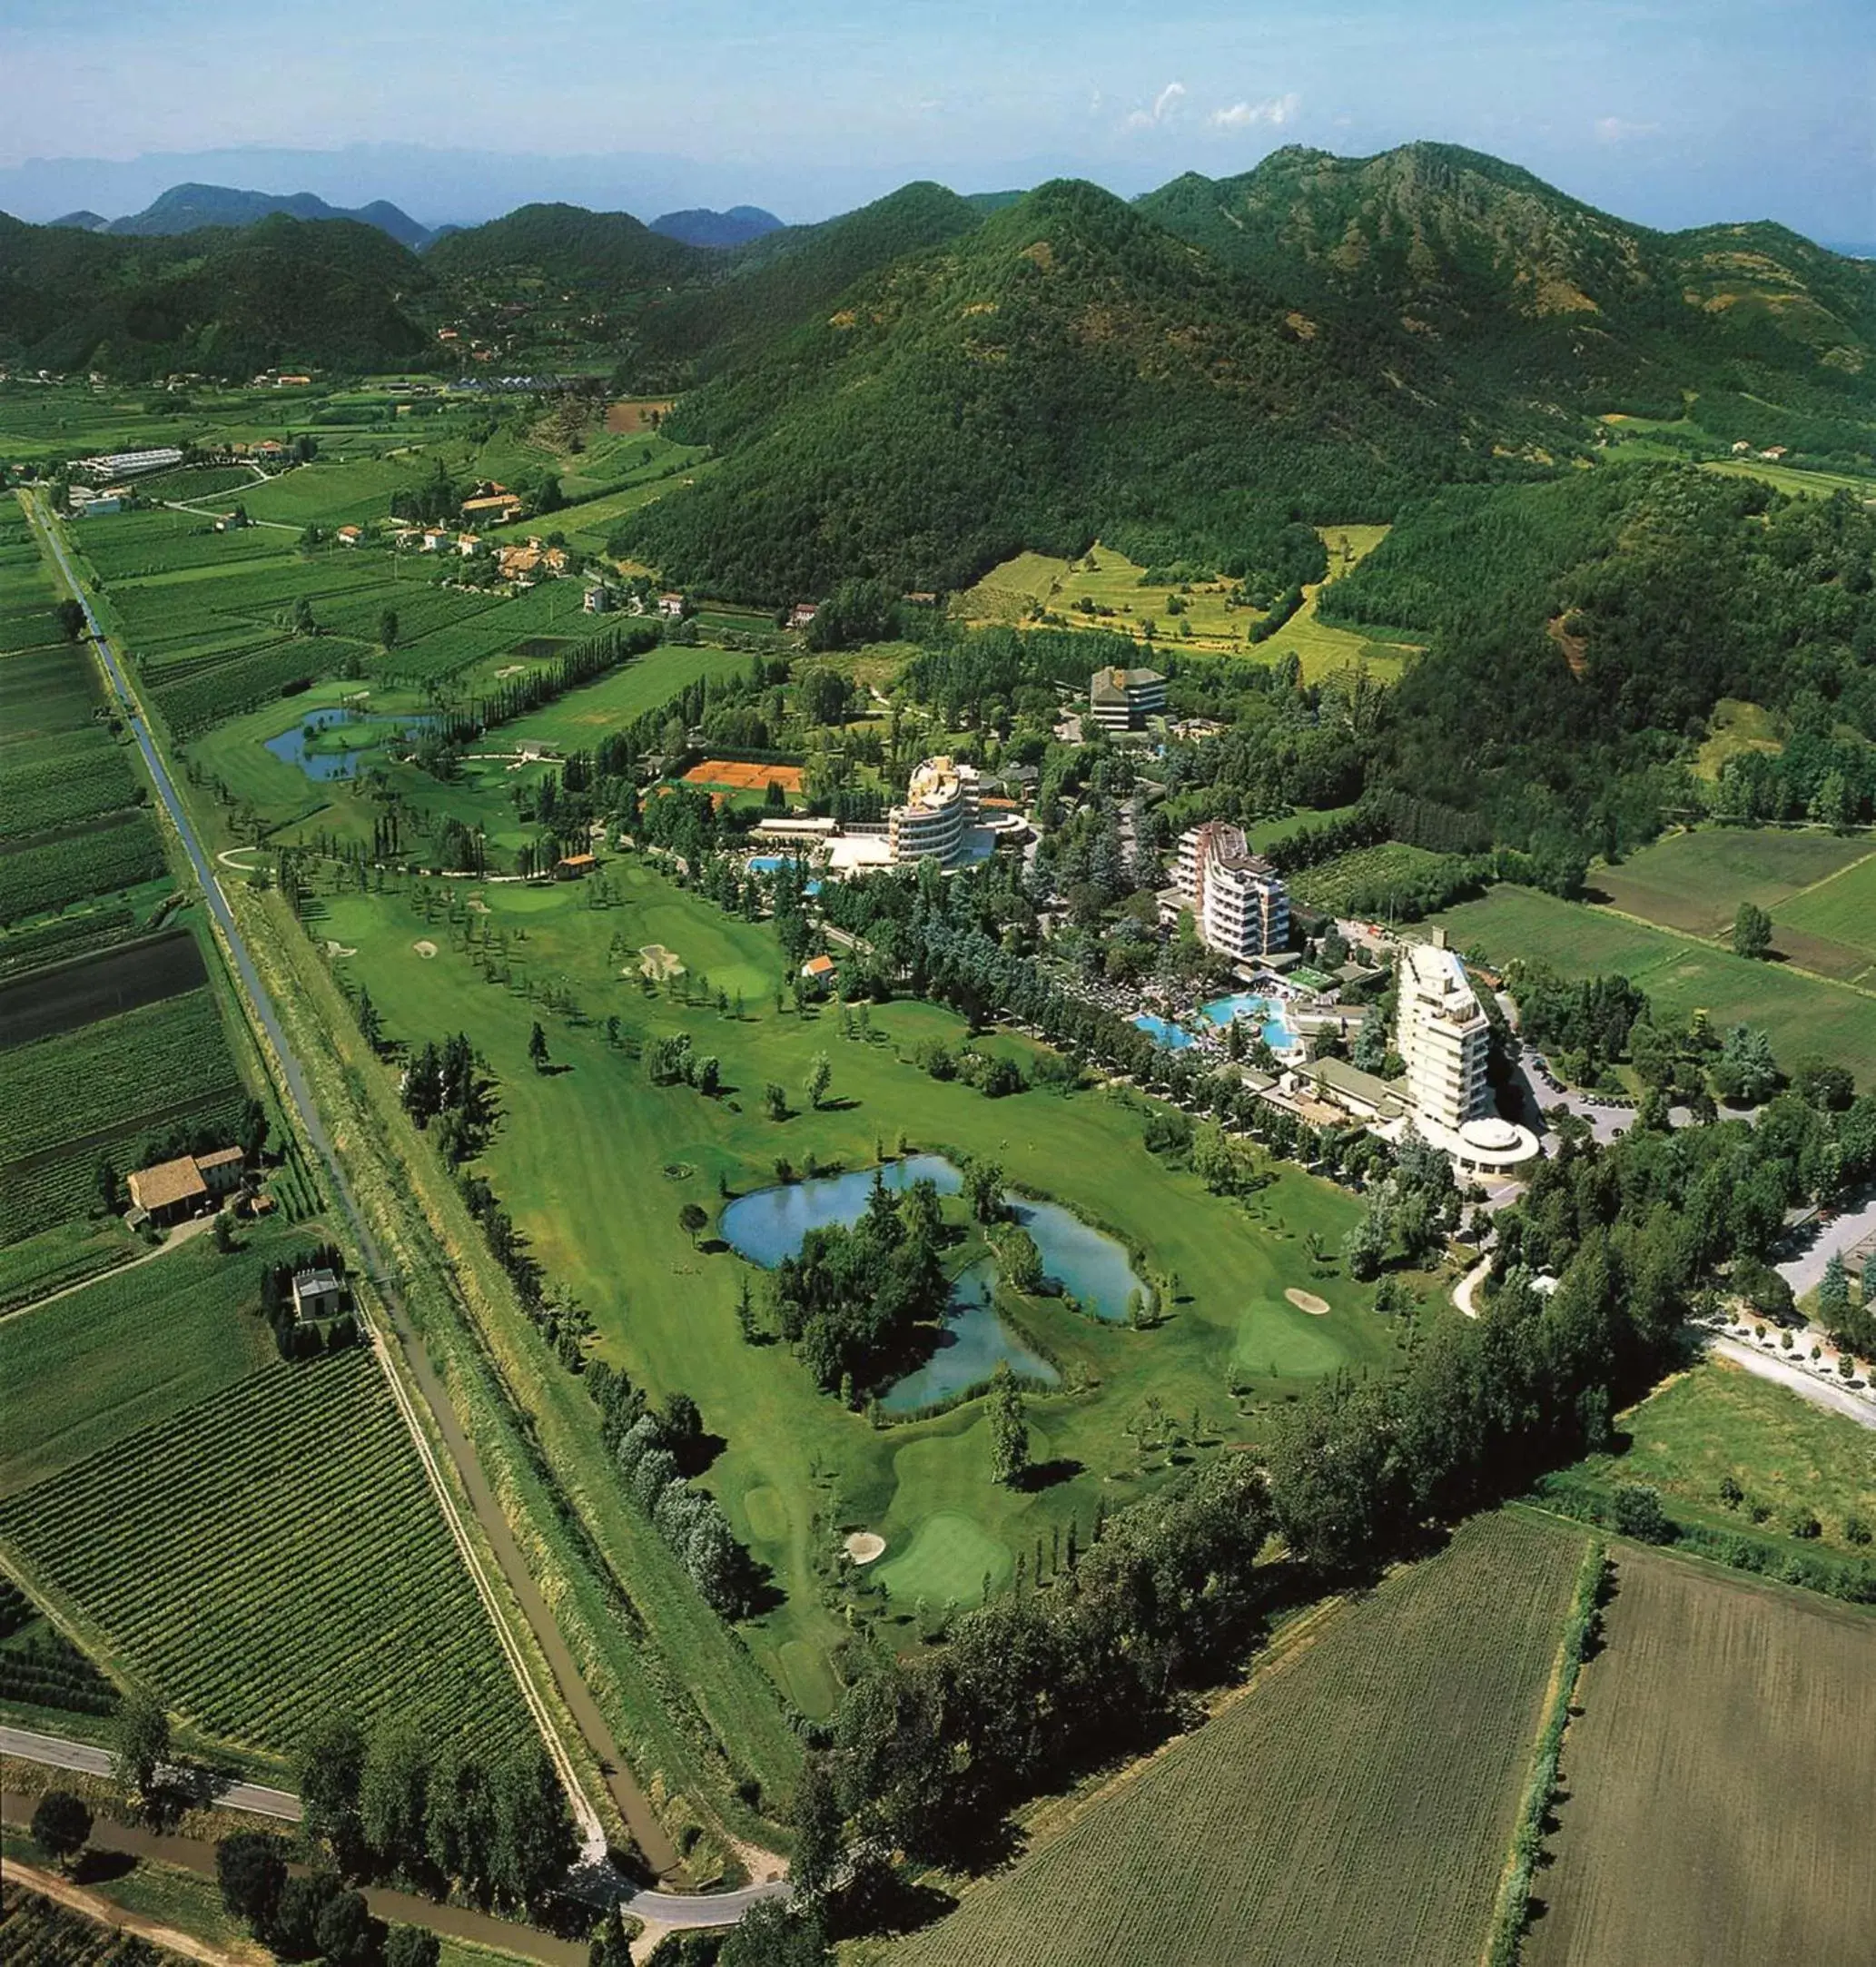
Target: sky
1669,112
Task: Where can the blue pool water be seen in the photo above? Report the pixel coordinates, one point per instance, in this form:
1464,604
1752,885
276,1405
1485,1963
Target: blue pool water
1174,1037
772,1223
291,746
773,863
1267,1013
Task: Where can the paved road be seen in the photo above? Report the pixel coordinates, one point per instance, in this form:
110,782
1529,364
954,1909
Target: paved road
1805,1272
28,1746
635,1806
601,1884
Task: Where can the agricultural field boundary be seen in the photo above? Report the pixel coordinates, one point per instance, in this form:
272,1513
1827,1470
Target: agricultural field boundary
299,1104
1708,943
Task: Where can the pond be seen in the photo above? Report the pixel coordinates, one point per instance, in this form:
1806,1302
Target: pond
772,1223
1265,1012
307,745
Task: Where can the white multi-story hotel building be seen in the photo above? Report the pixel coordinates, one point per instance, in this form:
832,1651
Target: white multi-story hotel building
1237,898
1442,1035
939,810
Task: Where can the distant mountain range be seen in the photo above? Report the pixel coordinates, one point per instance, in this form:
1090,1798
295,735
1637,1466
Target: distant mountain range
188,207
922,386
701,227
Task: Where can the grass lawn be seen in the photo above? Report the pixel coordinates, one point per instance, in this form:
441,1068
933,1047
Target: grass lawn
128,1350
1354,1803
1720,1422
583,716
595,1163
1035,581
1735,726
1794,479
1802,1014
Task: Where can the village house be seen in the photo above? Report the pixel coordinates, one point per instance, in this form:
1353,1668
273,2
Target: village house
671,607
349,536
803,614
491,503
817,973
434,538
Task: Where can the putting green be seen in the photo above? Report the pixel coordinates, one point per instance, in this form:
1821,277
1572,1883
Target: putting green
768,1513
1281,1338
946,1560
809,1679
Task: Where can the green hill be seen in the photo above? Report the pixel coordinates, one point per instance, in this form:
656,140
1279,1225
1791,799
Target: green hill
1065,366
332,294
605,254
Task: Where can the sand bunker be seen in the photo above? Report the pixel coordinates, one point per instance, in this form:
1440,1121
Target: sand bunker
337,949
1307,1301
426,948
658,963
864,1547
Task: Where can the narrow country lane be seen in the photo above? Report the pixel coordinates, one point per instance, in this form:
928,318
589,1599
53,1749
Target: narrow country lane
634,1805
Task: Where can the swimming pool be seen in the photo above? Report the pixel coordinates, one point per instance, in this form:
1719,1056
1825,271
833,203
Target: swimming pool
1267,1013
1174,1037
773,863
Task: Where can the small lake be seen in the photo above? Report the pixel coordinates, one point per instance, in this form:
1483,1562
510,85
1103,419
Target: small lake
971,1343
772,1223
300,746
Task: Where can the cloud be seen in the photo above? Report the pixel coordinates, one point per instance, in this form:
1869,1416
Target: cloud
1613,130
1165,104
1274,110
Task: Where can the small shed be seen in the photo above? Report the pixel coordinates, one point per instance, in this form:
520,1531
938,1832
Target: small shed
318,1297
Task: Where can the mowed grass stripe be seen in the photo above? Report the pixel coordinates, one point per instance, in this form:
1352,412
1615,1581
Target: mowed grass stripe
1355,1805
272,1552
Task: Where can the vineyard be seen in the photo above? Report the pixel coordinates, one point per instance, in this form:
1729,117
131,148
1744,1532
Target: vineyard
1392,879
70,828
39,1665
271,1555
1355,1804
37,1932
100,1092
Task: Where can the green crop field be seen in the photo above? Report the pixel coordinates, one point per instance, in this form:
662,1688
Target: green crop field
90,1094
605,1224
267,1555
1802,1014
1831,925
1716,1780
1792,1460
37,1932
1354,1803
1694,882
128,1350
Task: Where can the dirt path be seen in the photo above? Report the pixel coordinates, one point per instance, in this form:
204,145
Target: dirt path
75,1899
183,1232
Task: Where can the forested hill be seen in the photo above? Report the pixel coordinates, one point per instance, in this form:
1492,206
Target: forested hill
1539,290
330,294
1066,368
605,255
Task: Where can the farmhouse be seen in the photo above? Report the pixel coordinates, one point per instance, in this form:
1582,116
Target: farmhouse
349,536
671,607
803,614
491,503
170,1190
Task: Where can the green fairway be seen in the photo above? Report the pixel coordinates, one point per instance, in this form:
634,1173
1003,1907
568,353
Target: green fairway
1802,1014
583,716
595,1163
129,1350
